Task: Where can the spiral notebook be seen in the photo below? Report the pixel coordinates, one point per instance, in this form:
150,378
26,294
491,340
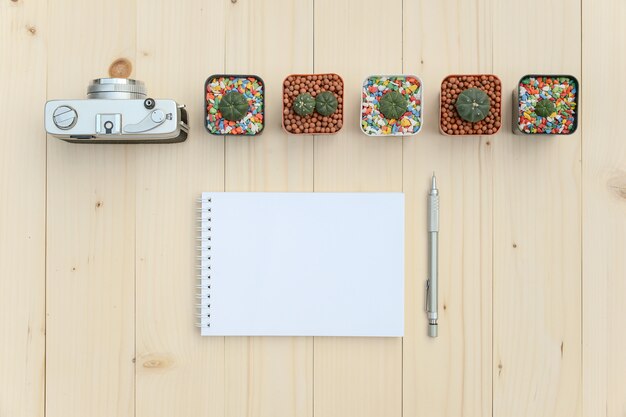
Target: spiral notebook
301,264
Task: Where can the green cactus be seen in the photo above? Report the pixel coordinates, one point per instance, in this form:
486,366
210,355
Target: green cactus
304,104
545,108
393,105
326,103
473,105
233,106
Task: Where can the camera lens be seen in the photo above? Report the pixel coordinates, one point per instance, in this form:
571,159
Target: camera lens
149,103
116,88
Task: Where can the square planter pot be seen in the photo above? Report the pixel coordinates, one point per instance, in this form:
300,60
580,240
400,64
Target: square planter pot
395,114
545,104
308,117
238,122
450,121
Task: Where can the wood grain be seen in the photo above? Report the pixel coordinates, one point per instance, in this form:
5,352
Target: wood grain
604,213
23,58
537,231
449,375
90,227
356,376
269,376
178,371
101,237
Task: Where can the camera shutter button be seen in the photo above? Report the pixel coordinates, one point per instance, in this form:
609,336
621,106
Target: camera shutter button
149,103
64,117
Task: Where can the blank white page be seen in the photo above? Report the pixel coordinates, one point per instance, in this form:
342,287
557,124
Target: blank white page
302,264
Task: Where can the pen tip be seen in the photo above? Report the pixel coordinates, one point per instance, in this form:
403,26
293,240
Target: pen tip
434,181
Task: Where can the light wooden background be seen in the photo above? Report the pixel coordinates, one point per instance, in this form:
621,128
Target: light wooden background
96,242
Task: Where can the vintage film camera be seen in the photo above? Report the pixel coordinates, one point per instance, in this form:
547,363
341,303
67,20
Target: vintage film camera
117,110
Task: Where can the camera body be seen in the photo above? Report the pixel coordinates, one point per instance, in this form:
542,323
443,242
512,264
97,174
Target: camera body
117,110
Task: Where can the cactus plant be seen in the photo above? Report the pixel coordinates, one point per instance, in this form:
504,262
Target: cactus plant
304,104
545,108
233,106
393,105
326,103
473,105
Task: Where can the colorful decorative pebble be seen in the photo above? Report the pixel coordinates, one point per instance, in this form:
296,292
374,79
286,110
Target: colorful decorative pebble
373,122
562,91
252,88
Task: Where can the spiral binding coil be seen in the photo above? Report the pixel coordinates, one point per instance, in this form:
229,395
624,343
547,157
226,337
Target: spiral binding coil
203,313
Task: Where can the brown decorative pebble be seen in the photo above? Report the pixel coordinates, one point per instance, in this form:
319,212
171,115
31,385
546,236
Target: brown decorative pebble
314,123
451,123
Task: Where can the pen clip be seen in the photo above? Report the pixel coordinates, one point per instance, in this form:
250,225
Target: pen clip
427,296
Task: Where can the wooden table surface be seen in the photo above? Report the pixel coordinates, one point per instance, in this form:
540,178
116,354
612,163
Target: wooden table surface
97,242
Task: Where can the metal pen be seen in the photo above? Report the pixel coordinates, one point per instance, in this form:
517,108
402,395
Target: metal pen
433,259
